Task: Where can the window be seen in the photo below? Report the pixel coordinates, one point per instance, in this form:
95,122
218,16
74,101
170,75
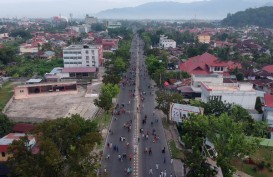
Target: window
93,57
87,57
79,57
87,61
87,52
79,62
3,154
21,91
92,52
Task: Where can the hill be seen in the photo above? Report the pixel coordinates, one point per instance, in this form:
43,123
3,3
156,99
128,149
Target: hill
262,17
213,9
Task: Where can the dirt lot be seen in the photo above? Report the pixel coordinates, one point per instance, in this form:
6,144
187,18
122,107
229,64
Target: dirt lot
51,107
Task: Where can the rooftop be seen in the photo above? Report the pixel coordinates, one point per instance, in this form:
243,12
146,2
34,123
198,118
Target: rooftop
80,70
47,84
231,87
77,47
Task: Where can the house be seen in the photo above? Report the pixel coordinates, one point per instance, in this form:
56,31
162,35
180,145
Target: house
204,38
242,94
166,43
268,111
109,44
207,64
22,128
8,139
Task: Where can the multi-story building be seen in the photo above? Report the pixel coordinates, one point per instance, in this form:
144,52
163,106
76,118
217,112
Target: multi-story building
204,38
83,56
242,94
89,20
165,43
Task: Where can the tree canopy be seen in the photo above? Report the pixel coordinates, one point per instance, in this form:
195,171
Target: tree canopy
254,16
66,149
6,125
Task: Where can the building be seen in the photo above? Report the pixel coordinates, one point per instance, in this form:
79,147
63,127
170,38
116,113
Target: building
44,89
81,28
197,79
207,64
8,139
22,128
242,94
113,24
109,44
204,38
166,43
180,112
89,20
4,35
268,111
28,48
83,56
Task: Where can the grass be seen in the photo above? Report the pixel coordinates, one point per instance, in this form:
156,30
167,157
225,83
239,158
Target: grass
176,153
6,93
262,154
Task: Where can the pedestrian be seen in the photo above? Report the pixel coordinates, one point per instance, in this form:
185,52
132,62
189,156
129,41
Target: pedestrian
171,175
172,161
157,166
108,156
164,161
150,171
165,173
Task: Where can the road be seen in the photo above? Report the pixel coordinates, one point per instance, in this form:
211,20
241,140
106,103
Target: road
139,102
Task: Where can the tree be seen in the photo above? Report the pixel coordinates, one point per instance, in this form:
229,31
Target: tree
217,107
119,65
108,91
6,125
194,136
111,79
230,141
65,145
164,100
227,136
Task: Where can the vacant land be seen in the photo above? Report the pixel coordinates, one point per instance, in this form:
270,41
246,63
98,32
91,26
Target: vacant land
52,107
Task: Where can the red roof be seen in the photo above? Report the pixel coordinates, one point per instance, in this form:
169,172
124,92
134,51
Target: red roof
268,68
22,128
268,100
4,148
80,70
198,64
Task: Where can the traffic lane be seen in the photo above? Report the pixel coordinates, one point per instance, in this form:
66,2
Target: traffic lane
113,165
159,157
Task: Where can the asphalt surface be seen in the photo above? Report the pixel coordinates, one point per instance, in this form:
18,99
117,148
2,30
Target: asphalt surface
143,149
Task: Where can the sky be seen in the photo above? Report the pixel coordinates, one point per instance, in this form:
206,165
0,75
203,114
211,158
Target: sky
79,8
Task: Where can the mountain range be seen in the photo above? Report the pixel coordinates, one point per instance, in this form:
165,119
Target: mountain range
213,9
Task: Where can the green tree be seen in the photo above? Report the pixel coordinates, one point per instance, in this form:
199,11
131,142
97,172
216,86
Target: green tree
229,139
217,107
6,125
119,65
111,79
108,91
164,100
64,143
258,105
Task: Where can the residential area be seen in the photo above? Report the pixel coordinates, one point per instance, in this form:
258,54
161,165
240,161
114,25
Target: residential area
99,97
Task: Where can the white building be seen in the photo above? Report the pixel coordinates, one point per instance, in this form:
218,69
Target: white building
196,80
28,48
89,20
81,28
165,43
83,56
242,94
113,24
